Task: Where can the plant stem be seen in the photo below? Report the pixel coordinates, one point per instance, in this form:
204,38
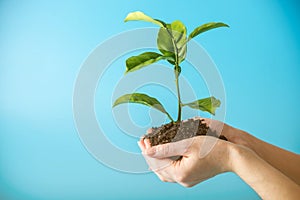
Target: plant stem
177,73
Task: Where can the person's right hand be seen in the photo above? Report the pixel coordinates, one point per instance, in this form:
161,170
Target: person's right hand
202,157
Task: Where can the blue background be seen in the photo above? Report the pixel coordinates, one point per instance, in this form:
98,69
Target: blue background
43,44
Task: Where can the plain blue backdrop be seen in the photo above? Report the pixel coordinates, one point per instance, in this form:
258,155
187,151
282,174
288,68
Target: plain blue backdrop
44,43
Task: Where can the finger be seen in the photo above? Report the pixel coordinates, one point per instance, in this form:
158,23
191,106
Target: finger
147,143
215,127
167,172
149,130
163,168
153,163
207,121
164,177
141,144
198,118
170,149
156,164
166,169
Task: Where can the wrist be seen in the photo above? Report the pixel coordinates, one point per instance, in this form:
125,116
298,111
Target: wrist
237,155
227,154
237,136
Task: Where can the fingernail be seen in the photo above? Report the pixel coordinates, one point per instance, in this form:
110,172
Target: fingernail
147,143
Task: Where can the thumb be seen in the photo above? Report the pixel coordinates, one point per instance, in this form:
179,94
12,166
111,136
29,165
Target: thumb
170,149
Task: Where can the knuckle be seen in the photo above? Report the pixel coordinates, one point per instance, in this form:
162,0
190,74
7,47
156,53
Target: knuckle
166,149
182,178
162,179
187,185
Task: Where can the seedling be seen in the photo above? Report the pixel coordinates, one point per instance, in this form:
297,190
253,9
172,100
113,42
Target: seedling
172,42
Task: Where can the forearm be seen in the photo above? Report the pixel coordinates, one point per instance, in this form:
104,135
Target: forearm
267,181
286,162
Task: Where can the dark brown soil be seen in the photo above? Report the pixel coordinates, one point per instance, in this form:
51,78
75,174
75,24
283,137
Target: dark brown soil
173,132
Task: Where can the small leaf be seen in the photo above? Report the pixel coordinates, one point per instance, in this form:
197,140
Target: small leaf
142,99
209,104
171,40
138,15
179,36
206,27
165,43
137,62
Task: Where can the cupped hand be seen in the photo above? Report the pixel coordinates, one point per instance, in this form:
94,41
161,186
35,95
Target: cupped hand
201,158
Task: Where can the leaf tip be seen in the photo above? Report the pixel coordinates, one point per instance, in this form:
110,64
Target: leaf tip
114,104
133,15
127,17
226,25
221,24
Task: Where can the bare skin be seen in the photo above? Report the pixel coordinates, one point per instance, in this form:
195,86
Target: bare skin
285,161
204,157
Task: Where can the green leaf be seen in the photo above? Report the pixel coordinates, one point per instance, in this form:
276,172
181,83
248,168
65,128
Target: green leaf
209,104
142,99
165,42
137,62
206,27
179,36
140,16
171,40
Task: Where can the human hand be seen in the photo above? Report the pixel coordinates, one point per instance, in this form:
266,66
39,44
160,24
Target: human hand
202,157
218,128
258,163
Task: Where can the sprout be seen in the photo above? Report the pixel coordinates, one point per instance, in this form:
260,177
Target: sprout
172,42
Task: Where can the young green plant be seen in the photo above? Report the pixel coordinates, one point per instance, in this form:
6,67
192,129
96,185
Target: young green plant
172,42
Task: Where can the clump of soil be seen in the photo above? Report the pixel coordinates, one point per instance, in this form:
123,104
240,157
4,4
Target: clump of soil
173,132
